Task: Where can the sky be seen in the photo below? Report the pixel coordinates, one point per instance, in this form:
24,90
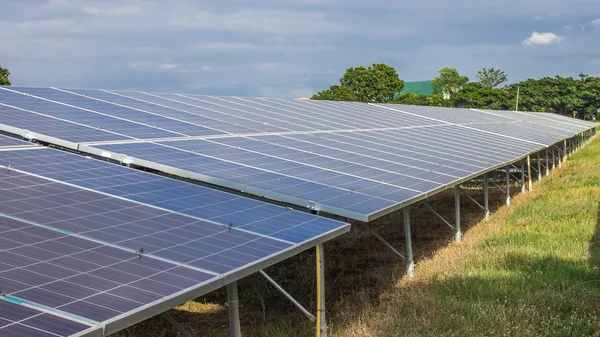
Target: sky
288,48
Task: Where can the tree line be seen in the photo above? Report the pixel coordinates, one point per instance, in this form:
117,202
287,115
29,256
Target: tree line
380,83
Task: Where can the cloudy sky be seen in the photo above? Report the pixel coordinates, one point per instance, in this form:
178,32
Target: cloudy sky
287,48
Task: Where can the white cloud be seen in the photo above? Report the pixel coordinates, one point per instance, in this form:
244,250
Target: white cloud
542,38
595,23
168,66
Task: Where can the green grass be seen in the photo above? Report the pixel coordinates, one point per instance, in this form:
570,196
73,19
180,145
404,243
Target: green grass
537,275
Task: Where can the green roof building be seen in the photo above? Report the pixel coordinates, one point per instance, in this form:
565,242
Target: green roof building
418,87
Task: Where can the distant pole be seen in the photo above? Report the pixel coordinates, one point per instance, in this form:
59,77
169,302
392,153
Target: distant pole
517,105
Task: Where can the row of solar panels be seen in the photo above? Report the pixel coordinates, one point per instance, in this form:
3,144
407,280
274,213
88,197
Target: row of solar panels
88,247
355,160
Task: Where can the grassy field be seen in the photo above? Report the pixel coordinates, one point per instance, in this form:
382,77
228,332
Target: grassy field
533,269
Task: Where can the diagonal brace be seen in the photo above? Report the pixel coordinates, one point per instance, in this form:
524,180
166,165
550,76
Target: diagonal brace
384,242
470,197
182,331
498,187
438,215
288,296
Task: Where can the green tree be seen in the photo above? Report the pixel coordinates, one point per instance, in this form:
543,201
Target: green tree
449,82
4,74
375,84
491,78
411,98
336,93
473,95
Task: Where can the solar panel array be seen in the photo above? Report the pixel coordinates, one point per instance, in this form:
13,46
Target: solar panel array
109,246
351,159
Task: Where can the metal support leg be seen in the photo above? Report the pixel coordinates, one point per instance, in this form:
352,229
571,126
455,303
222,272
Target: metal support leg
547,160
410,264
522,176
234,310
529,172
182,331
553,159
321,318
507,186
486,206
457,232
560,156
539,167
565,151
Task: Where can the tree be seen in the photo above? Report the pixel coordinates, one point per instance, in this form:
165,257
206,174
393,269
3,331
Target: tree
491,78
410,98
4,74
449,82
376,84
336,93
473,95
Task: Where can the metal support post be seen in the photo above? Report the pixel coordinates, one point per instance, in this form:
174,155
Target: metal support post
560,156
486,207
182,331
529,172
522,176
410,264
565,151
547,160
539,167
310,316
457,232
321,318
553,159
507,186
234,310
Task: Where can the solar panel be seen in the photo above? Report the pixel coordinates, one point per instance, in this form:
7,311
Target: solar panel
113,261
19,320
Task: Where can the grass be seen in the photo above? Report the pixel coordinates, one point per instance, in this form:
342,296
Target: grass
533,269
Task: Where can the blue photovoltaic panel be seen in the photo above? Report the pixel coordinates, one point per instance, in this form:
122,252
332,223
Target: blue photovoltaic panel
177,127
361,172
45,125
82,117
87,279
178,196
104,258
6,141
19,320
174,113
221,119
